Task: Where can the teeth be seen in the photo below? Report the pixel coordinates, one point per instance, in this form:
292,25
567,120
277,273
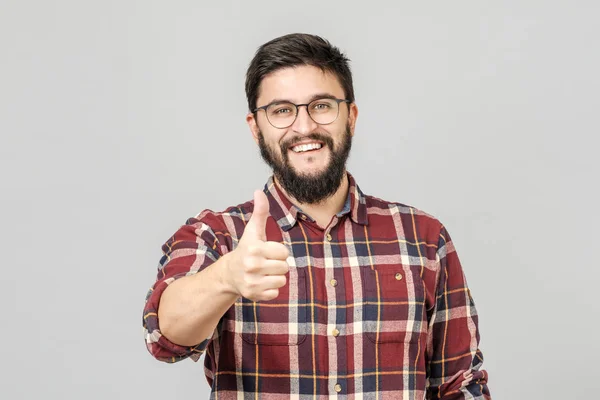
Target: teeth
306,147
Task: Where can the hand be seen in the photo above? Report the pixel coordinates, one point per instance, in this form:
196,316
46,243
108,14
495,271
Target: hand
257,268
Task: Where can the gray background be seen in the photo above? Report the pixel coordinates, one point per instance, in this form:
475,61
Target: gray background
120,119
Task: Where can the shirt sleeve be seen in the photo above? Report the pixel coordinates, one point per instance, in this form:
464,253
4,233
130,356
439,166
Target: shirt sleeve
191,249
454,359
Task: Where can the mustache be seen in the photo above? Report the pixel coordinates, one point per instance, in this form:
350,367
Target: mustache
313,136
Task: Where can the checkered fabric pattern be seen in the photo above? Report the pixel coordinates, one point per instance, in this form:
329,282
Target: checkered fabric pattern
376,306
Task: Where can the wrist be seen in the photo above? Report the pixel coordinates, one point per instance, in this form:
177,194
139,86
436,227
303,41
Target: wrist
225,276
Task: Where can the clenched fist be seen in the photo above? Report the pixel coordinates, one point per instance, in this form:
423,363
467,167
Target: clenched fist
257,268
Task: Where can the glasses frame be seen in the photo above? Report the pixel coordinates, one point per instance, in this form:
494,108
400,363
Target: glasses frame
338,101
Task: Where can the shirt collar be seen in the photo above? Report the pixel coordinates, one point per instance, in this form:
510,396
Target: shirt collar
286,213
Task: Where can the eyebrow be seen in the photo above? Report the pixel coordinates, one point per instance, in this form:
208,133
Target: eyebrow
312,98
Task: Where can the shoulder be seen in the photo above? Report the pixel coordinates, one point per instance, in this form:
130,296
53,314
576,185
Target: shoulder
220,229
228,219
426,226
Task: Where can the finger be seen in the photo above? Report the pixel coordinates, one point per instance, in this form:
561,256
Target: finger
260,283
268,285
274,267
273,282
274,251
269,295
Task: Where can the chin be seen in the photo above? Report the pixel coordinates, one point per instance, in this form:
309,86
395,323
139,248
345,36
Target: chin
311,171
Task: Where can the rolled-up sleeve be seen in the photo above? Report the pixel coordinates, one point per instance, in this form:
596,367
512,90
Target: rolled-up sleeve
454,358
192,248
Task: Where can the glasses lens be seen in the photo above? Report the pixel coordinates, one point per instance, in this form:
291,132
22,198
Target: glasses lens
323,111
281,115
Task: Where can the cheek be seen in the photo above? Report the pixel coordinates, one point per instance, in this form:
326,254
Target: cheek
338,135
273,142
275,139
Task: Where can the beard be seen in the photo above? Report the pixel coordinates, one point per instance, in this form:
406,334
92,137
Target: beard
308,188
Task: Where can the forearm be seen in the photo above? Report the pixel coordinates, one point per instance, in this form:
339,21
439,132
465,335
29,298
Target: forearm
454,355
191,307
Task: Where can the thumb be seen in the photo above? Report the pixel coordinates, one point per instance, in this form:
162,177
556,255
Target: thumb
258,221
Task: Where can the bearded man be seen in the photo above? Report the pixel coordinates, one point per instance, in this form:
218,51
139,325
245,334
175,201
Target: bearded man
313,288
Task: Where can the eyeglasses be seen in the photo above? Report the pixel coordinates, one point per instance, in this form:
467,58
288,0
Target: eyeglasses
283,114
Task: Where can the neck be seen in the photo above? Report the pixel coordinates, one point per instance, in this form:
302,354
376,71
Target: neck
324,211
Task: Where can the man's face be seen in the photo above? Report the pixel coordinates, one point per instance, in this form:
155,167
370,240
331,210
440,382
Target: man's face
313,175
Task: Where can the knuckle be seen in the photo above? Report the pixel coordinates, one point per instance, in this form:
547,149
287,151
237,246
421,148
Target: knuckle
250,263
249,283
251,249
246,293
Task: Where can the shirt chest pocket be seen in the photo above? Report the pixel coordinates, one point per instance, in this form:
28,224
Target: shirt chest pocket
393,304
281,321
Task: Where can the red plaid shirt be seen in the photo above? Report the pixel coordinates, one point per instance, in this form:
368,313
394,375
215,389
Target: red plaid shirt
376,306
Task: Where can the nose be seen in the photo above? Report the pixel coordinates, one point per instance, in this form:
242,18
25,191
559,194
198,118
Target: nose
303,124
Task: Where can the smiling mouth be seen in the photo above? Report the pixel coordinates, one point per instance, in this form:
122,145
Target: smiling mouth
308,147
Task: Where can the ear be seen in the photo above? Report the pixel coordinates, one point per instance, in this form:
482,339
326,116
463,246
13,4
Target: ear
352,116
253,125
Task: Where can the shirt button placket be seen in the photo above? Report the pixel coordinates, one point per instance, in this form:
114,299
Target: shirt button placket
333,283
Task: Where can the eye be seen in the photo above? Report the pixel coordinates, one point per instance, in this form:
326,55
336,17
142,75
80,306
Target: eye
282,110
321,106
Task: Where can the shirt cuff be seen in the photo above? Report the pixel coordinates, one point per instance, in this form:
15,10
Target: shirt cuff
158,345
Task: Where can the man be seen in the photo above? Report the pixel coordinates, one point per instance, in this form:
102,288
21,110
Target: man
314,288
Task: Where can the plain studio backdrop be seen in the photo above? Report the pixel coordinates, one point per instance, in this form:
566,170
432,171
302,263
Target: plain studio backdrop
121,119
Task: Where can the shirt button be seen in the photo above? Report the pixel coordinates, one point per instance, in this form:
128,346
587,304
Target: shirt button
333,282
335,332
338,387
398,276
303,216
329,237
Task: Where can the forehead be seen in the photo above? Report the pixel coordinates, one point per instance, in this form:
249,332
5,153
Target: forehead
298,84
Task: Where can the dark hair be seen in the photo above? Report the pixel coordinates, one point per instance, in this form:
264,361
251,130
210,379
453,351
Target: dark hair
292,50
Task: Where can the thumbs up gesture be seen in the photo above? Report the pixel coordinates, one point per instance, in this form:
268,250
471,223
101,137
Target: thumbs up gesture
257,268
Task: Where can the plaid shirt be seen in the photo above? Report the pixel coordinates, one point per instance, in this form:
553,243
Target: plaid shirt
376,306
